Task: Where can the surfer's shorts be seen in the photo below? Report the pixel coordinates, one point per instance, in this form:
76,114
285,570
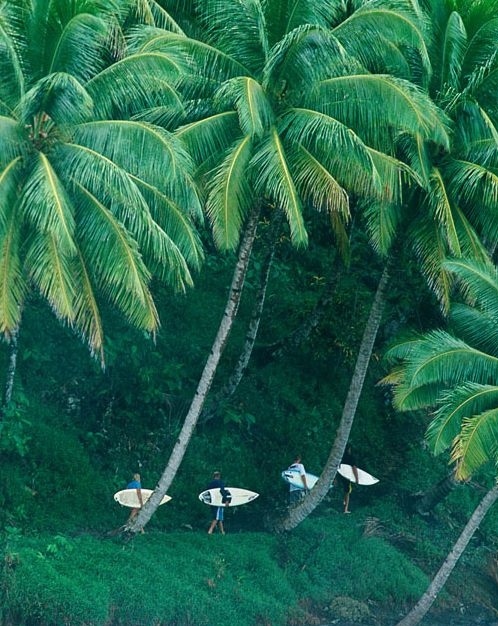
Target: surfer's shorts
218,513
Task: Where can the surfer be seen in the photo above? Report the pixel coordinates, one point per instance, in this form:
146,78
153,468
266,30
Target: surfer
296,492
218,511
136,484
348,459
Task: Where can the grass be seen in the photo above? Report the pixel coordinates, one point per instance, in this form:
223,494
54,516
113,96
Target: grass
185,579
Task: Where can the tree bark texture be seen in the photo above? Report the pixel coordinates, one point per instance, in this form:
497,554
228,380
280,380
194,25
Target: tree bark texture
299,513
427,600
425,502
205,380
11,372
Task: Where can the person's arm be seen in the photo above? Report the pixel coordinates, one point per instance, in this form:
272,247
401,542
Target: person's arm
303,478
139,496
355,472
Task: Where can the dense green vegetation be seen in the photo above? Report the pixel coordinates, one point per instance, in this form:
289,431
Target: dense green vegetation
352,148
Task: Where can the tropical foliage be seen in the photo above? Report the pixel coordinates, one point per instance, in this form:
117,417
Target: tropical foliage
93,198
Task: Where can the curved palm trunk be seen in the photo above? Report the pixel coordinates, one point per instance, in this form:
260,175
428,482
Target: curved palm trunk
426,601
231,385
299,513
205,380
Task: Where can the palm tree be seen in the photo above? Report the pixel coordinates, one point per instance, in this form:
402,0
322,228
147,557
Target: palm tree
93,199
453,374
278,122
440,217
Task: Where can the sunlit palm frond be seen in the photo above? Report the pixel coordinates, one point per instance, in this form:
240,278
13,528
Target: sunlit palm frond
13,287
275,182
46,206
123,278
476,444
230,195
151,12
341,151
248,98
87,318
477,187
50,270
456,406
440,206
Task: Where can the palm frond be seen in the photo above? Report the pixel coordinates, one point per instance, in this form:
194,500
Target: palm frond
46,205
477,328
134,84
151,12
394,106
253,108
440,206
229,195
60,97
123,278
284,16
50,270
456,406
237,28
81,49
12,84
482,47
211,135
476,444
13,287
275,182
367,31
477,282
339,150
454,47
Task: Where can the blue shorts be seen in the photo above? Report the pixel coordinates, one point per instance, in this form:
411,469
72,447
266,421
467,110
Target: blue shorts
218,513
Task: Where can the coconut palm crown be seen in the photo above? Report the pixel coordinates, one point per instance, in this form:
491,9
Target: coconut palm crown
453,373
93,199
293,107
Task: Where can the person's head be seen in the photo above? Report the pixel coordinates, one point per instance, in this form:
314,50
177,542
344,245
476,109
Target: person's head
217,475
136,477
297,458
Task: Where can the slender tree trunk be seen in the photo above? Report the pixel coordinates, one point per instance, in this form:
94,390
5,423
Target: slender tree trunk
227,391
296,515
11,371
205,380
427,600
425,502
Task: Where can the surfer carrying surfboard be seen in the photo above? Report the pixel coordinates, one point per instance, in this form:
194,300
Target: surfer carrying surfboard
218,511
297,492
136,484
348,459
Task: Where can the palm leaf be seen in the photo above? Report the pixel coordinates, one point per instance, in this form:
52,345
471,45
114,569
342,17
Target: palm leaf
229,195
275,181
253,108
284,16
457,405
477,443
12,83
13,287
453,50
477,328
477,282
46,205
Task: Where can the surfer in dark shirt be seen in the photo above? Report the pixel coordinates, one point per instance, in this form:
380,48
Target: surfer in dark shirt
136,484
348,459
218,511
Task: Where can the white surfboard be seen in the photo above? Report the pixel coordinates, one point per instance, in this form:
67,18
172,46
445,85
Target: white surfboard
129,497
293,477
364,478
240,496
